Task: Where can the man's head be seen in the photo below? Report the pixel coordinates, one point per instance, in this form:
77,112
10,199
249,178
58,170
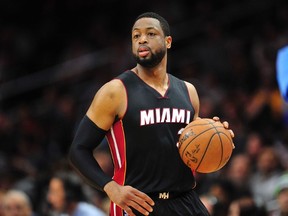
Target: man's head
150,39
163,22
16,203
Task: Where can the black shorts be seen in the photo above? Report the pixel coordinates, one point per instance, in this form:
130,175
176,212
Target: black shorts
184,204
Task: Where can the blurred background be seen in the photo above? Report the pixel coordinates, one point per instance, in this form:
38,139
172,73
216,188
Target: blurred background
54,56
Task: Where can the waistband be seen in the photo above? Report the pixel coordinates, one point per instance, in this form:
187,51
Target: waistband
166,195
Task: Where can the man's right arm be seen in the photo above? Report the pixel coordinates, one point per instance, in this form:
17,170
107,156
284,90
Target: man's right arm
109,103
92,130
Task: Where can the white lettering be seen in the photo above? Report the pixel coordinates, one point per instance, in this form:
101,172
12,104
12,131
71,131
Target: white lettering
178,115
158,115
187,116
147,117
166,115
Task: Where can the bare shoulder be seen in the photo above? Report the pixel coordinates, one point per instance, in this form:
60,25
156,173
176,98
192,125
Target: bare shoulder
110,92
191,88
108,103
112,88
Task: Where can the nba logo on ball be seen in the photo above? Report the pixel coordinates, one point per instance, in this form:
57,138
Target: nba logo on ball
205,145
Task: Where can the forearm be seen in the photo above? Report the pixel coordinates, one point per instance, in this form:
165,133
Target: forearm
88,136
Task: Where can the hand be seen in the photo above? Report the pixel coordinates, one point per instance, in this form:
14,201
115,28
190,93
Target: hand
128,197
226,125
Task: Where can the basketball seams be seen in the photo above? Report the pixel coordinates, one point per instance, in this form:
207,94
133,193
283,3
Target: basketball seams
204,153
221,139
197,149
222,144
193,139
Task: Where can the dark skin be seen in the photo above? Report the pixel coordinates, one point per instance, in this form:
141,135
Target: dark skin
110,101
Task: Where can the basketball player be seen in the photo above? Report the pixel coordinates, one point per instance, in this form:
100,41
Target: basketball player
140,112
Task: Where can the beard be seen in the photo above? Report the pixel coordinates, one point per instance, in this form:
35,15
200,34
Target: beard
151,62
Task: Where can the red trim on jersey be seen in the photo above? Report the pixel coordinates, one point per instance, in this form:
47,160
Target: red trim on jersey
116,210
117,144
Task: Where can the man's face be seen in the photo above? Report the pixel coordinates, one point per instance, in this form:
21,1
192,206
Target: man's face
149,45
56,194
16,206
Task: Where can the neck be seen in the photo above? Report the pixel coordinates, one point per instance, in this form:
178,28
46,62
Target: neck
157,78
157,74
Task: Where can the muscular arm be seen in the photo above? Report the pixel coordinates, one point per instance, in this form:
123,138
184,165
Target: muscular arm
108,103
91,131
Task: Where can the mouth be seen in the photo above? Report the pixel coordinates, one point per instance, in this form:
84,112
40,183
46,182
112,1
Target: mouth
143,51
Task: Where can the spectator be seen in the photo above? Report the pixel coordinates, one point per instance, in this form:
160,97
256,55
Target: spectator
218,197
263,181
245,206
16,203
239,171
282,196
253,146
66,197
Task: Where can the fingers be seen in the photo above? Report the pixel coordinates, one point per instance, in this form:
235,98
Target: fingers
133,204
180,131
225,125
129,211
232,133
128,198
142,203
139,205
137,200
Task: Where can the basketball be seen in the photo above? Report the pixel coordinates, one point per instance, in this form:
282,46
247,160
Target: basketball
205,145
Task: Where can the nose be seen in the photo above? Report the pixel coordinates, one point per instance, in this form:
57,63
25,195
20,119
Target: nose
143,39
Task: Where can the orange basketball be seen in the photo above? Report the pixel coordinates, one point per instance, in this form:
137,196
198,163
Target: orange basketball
205,145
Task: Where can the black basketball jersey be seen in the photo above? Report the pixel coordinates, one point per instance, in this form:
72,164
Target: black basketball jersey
143,142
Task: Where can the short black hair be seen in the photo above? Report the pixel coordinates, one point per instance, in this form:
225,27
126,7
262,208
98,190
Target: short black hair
72,186
163,22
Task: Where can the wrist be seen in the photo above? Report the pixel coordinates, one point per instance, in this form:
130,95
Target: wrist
110,186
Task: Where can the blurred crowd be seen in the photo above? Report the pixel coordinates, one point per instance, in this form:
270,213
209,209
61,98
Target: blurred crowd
226,49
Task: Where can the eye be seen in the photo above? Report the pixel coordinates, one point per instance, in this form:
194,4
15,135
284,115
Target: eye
136,36
151,34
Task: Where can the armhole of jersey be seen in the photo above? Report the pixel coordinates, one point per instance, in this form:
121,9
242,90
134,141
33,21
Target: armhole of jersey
189,96
126,95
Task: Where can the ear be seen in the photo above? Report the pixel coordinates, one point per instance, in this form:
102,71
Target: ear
168,41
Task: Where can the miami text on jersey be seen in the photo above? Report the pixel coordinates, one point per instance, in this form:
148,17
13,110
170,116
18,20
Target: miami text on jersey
167,115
